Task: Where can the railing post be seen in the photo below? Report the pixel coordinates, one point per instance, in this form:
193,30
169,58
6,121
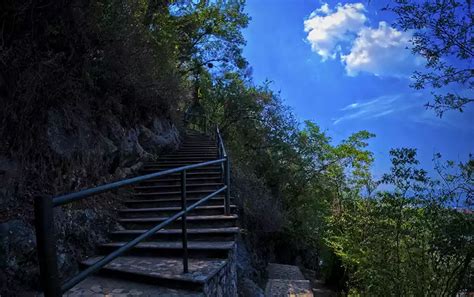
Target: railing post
218,146
227,183
46,245
184,232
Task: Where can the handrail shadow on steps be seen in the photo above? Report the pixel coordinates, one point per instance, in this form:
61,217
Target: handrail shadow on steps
44,222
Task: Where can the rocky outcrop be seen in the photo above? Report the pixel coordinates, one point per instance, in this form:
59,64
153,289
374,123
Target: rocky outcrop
246,272
17,252
78,151
248,288
161,134
108,138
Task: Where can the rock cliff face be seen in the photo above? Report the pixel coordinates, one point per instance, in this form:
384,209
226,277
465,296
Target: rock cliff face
84,98
79,149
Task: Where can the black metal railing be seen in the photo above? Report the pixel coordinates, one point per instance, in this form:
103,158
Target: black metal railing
225,167
44,222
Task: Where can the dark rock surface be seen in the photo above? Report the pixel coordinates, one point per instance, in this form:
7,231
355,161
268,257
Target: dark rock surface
247,287
84,152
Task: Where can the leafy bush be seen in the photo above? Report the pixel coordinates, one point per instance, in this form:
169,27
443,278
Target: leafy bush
405,242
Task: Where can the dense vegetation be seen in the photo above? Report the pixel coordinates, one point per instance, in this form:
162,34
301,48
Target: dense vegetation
399,234
304,198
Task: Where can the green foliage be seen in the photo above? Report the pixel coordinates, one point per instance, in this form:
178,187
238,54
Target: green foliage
404,242
210,33
444,36
304,171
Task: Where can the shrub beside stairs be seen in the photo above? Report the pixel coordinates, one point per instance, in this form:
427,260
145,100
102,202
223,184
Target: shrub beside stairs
155,267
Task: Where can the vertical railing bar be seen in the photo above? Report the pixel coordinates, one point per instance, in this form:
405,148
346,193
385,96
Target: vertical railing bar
184,232
223,172
221,153
227,183
218,144
47,256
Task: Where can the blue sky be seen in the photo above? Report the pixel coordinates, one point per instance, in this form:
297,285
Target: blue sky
347,70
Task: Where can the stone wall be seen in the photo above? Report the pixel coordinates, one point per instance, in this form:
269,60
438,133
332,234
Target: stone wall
224,282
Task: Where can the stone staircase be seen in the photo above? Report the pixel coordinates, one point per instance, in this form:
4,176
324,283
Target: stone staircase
286,280
154,267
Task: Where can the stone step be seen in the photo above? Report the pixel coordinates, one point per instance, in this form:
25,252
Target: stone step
286,287
194,234
191,174
190,157
190,153
213,154
193,221
160,271
169,211
100,285
179,162
181,159
194,150
199,143
177,187
197,171
187,158
174,194
156,203
284,271
196,249
176,180
286,280
162,167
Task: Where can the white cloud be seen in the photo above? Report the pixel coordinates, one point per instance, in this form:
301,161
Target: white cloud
344,32
358,105
374,108
405,107
327,29
382,51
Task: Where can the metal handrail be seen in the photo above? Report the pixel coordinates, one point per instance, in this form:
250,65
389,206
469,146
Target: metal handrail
44,222
107,259
220,143
225,168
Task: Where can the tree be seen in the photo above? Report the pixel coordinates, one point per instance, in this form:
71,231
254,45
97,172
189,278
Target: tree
406,241
210,33
444,36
